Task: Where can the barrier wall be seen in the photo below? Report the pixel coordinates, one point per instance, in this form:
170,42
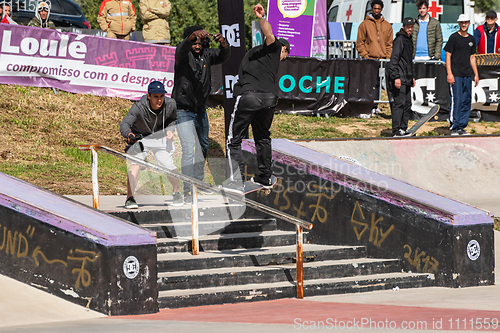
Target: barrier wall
351,205
76,252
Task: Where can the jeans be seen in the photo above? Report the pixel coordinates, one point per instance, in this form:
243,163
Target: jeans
192,128
460,95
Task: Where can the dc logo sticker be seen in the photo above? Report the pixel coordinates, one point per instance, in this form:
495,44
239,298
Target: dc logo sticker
230,82
232,34
473,250
131,267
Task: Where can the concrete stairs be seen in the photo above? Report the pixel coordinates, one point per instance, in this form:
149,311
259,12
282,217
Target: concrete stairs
251,259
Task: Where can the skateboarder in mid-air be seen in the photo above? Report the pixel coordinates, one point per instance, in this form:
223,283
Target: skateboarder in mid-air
257,96
400,78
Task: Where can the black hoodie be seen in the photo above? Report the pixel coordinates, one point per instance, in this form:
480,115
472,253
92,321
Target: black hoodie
401,64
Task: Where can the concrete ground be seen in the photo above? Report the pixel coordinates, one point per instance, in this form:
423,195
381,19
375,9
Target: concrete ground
26,309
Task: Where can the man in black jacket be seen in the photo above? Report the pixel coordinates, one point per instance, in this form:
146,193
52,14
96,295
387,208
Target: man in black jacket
150,125
192,85
400,78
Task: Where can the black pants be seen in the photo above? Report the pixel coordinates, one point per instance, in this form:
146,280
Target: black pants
256,109
400,108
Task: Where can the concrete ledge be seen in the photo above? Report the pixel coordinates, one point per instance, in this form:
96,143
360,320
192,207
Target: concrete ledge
350,205
76,252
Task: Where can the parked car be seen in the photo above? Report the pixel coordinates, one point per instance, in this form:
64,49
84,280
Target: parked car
64,13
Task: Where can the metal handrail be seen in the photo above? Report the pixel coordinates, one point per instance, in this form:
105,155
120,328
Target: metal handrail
300,224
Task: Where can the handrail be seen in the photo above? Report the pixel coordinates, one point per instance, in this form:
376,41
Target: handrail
300,224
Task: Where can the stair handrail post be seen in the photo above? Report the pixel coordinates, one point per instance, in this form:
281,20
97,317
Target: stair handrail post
95,180
194,220
300,263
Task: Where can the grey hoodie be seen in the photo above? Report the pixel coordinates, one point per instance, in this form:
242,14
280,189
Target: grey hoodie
141,119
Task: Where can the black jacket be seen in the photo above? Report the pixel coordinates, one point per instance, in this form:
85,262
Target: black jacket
192,76
142,120
401,64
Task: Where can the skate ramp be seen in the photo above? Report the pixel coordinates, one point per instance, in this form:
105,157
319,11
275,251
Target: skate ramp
464,168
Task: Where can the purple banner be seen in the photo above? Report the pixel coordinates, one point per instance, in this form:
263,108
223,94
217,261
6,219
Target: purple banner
293,20
82,63
320,31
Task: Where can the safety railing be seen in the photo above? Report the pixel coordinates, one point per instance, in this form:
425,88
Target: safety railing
300,224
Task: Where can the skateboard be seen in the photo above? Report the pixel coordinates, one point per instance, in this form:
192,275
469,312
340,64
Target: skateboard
432,112
252,187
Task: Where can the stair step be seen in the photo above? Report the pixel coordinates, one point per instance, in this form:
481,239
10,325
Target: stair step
278,255
244,275
183,229
286,289
231,241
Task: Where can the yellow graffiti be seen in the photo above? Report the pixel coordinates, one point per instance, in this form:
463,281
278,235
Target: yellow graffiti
83,274
377,235
419,258
11,238
299,211
37,252
317,207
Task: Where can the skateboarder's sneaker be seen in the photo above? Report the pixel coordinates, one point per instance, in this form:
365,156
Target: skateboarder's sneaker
234,187
262,181
188,198
131,204
454,132
462,132
400,132
178,200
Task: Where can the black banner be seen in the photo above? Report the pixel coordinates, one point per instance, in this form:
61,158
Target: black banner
310,86
232,26
431,88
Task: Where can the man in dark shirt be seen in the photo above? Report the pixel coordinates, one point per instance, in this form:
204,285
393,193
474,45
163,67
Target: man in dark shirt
257,97
192,84
400,78
460,67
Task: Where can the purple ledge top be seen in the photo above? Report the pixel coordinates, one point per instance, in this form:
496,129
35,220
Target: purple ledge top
397,192
70,215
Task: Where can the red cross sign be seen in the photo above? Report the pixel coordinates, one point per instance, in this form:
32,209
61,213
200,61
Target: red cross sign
349,12
435,9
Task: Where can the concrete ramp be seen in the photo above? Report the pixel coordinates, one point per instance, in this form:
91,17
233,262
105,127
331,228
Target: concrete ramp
464,168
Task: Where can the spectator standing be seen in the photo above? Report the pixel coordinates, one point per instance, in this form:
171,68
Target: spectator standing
427,35
192,85
154,13
256,98
117,18
41,19
375,34
460,67
487,36
375,39
400,76
6,14
150,126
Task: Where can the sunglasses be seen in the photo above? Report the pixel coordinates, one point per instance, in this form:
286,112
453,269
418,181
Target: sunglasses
43,10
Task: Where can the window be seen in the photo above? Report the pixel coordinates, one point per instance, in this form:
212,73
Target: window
332,15
449,9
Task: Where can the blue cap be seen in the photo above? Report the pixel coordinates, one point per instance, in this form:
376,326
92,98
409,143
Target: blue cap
156,87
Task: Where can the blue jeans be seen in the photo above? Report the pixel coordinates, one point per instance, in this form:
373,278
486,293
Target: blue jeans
192,128
460,95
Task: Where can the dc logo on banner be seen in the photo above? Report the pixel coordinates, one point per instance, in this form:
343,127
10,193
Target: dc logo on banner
230,82
232,34
423,95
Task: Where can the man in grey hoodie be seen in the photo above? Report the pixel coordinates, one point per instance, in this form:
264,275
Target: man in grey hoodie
150,125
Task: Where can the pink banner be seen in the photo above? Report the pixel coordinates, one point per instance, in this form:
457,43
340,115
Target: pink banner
80,63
